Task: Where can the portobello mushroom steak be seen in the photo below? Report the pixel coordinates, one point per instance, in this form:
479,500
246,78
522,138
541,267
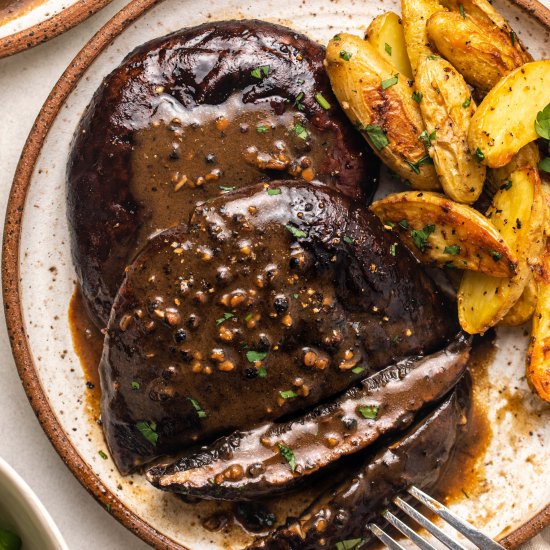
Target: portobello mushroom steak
262,324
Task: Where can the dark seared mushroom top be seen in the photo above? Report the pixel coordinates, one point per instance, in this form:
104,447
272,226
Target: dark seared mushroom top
186,117
275,298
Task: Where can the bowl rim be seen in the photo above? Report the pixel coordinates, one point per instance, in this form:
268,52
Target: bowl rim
16,484
11,279
49,28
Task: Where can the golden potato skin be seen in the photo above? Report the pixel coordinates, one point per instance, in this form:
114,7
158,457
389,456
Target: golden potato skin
388,29
415,14
356,72
505,120
447,109
461,238
527,156
480,51
523,309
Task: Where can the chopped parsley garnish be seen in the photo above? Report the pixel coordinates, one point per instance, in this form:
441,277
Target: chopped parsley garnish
226,189
393,249
102,455
259,72
148,431
426,138
377,136
370,412
404,224
254,356
467,103
433,57
542,123
479,155
346,56
295,296
261,129
544,165
135,385
388,48
349,544
272,191
417,96
347,239
298,233
196,405
298,101
449,265
391,225
420,238
461,8
513,37
322,101
262,372
495,255
454,249
224,317
415,166
108,508
337,38
357,370
506,185
300,131
288,394
389,82
288,455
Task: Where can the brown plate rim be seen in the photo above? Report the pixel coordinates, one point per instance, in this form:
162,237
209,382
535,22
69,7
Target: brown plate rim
11,281
50,28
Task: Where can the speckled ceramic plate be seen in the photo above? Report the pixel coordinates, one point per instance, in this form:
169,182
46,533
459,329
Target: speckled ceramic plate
509,498
27,23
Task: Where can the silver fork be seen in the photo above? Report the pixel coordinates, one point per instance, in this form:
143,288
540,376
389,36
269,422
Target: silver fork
483,542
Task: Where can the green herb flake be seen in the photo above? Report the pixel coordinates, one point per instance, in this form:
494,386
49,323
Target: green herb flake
433,57
346,56
300,131
261,71
226,189
288,455
148,431
288,394
370,412
420,238
349,544
417,96
295,296
262,372
298,101
136,385
254,356
393,249
544,165
224,317
390,225
495,255
262,129
388,48
103,455
347,239
196,405
506,185
108,508
377,136
404,224
272,191
337,38
479,155
415,166
461,8
449,265
513,37
453,250
389,82
357,370
426,138
467,103
542,123
298,233
322,102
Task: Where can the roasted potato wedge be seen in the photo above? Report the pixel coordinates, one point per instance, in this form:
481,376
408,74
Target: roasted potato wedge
442,232
386,35
538,355
500,177
523,309
447,108
415,14
481,52
505,120
518,214
380,104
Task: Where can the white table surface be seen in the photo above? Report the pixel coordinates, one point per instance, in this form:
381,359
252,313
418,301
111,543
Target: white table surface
25,81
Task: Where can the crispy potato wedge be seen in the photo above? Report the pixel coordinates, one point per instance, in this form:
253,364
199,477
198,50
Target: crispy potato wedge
447,108
415,17
538,355
505,120
442,232
386,35
523,309
500,177
479,50
381,106
518,214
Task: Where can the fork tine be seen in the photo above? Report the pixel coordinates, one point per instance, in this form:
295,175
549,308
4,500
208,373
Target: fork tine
427,524
469,531
407,531
385,538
